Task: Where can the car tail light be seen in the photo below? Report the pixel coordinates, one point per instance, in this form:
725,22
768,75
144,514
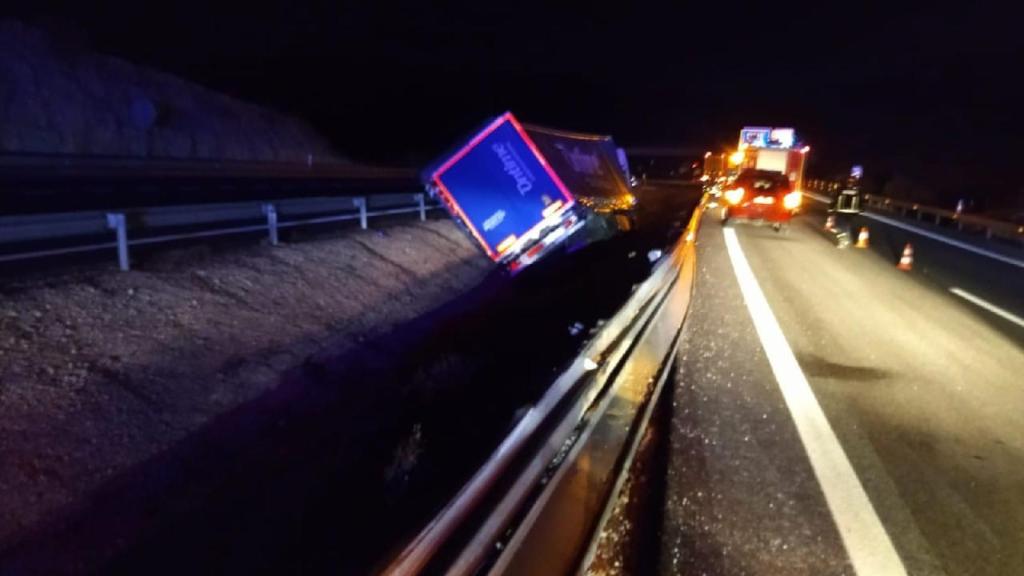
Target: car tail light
792,200
735,196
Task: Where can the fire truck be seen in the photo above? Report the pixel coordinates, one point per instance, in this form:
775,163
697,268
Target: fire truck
765,179
772,150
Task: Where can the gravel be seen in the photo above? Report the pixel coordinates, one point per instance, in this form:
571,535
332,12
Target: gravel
100,370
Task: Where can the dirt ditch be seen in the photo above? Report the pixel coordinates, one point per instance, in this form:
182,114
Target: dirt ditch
100,369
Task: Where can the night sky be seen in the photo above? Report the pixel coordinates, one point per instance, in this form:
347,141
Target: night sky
928,94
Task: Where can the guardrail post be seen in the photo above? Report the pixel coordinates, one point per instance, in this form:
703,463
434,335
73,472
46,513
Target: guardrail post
271,211
423,206
361,203
938,219
988,233
116,222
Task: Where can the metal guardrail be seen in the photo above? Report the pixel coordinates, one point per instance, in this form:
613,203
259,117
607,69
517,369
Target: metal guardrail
991,228
538,503
68,233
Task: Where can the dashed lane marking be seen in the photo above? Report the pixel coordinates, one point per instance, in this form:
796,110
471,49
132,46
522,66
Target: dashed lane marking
987,306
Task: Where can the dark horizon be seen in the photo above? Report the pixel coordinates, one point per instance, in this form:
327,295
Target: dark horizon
920,94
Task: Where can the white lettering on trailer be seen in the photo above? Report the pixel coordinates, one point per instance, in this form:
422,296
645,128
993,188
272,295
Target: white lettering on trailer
514,167
581,161
494,220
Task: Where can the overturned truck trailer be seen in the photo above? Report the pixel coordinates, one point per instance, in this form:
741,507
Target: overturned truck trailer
523,191
596,172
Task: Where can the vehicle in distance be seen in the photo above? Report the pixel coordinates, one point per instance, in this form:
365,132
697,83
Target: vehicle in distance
761,196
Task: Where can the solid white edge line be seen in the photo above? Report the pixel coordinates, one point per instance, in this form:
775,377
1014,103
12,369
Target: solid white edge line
987,306
950,241
867,543
932,235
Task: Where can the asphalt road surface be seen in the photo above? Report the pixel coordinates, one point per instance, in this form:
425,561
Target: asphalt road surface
889,441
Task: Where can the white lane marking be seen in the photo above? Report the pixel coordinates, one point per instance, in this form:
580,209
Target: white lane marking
932,235
950,241
867,543
987,306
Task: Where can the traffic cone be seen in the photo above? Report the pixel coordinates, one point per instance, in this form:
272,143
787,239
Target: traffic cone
830,222
907,259
862,238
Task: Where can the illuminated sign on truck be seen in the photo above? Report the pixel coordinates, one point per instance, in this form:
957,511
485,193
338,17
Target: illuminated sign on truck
766,137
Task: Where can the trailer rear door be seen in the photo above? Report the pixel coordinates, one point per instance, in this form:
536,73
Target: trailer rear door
502,187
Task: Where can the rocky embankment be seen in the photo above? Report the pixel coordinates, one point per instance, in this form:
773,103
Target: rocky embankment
55,99
100,370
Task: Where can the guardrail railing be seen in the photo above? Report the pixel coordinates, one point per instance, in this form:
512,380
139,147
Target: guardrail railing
538,503
25,237
991,228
